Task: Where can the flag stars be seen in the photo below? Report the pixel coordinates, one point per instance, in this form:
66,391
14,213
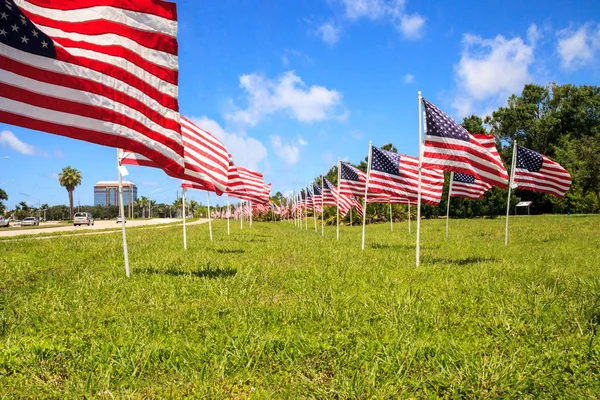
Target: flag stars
34,33
4,15
15,28
8,5
44,44
24,39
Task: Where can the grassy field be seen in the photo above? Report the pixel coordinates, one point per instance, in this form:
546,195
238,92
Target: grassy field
275,312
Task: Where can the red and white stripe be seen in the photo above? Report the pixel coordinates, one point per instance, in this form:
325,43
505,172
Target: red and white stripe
253,185
432,181
206,160
114,81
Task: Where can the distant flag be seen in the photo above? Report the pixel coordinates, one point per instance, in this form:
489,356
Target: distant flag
254,187
352,180
357,205
536,172
345,204
309,199
450,147
317,198
101,71
432,181
385,173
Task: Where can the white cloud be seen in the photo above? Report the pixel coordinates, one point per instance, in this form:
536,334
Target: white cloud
492,69
393,11
329,32
53,176
289,94
288,153
408,78
412,26
246,151
578,48
10,140
302,142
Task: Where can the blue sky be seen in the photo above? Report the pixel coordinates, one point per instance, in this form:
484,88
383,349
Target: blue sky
290,86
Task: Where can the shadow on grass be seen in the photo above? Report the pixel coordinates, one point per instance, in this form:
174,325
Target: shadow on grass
201,273
462,261
399,246
249,240
229,251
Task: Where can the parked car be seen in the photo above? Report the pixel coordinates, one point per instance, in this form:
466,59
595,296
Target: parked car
82,218
4,223
30,221
120,219
17,222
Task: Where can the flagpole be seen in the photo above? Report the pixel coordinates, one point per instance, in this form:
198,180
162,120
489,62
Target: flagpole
228,232
337,201
510,183
418,246
448,205
241,214
350,215
391,221
409,216
183,190
251,212
365,199
209,217
314,210
322,207
122,212
306,213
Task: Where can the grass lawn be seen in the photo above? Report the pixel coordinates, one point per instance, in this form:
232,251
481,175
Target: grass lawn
275,312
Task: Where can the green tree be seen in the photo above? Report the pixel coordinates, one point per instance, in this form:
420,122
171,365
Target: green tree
69,178
3,197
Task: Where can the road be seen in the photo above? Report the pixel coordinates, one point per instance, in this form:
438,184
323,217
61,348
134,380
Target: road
52,227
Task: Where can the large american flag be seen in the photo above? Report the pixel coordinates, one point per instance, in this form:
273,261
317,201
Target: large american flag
206,159
234,181
450,147
386,198
352,180
103,71
536,172
329,193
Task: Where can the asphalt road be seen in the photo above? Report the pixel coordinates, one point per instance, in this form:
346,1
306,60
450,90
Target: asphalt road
51,227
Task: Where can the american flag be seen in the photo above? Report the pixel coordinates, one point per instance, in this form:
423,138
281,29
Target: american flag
234,181
357,206
352,180
206,159
468,186
254,187
329,193
103,71
432,181
317,198
344,205
386,198
450,147
309,199
536,172
385,173
302,199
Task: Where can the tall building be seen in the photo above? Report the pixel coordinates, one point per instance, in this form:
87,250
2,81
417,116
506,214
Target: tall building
106,193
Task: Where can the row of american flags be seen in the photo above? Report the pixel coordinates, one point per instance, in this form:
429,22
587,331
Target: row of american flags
106,72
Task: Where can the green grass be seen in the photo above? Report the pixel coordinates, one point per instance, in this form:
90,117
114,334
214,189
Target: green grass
275,312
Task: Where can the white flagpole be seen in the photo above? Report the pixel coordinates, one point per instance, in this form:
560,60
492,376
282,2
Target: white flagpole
122,212
209,217
314,210
228,232
365,199
391,220
306,213
322,207
510,183
448,205
251,212
183,190
241,214
350,216
418,246
408,215
337,200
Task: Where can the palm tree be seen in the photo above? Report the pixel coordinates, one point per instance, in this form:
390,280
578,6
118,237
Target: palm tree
143,202
193,207
70,178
